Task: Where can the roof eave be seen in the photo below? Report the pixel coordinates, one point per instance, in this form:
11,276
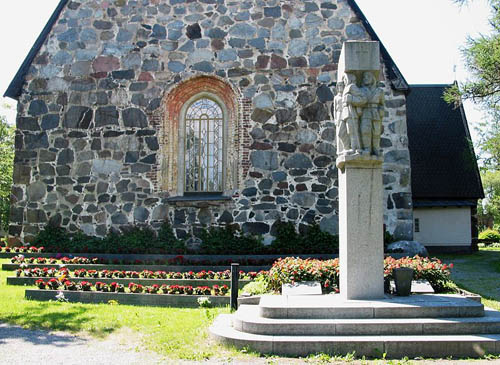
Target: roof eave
16,85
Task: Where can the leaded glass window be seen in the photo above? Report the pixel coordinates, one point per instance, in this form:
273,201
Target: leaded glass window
204,123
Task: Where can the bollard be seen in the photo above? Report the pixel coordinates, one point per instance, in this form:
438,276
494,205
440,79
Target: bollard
235,276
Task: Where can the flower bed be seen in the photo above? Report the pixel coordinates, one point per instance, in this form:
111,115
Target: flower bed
22,249
146,274
433,270
95,297
326,272
56,284
177,261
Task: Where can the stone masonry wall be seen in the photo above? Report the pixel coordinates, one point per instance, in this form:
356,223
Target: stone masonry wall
93,118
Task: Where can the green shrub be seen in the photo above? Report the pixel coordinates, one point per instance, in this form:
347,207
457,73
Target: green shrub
54,239
166,237
257,287
229,239
316,241
326,272
490,234
433,270
286,238
291,270
215,241
313,240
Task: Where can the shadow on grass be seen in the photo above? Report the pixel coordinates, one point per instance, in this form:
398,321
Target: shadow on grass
57,317
36,337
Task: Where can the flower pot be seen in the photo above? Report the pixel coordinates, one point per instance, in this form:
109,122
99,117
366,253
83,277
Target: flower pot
402,278
387,285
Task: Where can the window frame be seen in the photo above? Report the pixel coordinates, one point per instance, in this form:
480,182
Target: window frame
181,189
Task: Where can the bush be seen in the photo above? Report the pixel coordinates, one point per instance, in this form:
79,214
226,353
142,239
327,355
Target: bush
313,240
291,270
228,239
257,287
433,270
490,234
215,240
326,272
167,238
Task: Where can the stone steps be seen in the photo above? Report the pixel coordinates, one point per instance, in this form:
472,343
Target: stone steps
331,306
393,346
419,325
247,319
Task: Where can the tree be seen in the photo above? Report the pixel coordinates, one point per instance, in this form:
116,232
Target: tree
482,59
6,166
489,207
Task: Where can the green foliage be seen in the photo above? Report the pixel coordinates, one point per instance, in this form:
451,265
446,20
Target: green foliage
167,238
6,165
215,241
490,234
291,270
229,239
433,270
257,287
287,240
52,238
489,207
312,240
482,59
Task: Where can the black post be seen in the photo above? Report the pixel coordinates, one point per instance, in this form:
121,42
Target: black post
235,276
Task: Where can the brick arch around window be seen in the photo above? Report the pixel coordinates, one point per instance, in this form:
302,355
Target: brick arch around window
237,138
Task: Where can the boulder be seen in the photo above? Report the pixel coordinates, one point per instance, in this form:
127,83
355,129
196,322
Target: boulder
410,248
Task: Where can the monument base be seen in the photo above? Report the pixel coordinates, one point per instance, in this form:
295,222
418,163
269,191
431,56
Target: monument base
418,325
361,227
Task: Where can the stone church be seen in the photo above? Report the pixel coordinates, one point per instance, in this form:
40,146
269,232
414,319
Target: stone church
199,112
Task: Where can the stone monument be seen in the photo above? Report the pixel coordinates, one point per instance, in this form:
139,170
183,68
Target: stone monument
359,110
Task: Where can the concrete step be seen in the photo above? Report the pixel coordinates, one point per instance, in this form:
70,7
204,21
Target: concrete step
334,307
393,346
247,319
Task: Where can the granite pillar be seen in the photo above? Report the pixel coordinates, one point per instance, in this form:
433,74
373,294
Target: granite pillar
361,228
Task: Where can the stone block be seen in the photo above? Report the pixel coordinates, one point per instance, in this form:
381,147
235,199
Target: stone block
302,288
359,56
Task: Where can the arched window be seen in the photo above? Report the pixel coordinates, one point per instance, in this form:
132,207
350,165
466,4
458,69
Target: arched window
203,147
204,140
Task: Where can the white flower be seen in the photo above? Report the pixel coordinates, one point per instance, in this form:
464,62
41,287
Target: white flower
60,297
204,302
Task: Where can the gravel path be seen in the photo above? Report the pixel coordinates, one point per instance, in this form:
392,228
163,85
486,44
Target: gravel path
21,346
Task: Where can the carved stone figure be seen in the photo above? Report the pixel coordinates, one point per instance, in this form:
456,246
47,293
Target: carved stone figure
352,100
343,142
372,115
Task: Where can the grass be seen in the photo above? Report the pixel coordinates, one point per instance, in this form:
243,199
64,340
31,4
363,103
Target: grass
478,272
173,332
183,333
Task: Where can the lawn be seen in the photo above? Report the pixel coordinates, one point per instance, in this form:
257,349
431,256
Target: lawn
479,273
173,332
183,333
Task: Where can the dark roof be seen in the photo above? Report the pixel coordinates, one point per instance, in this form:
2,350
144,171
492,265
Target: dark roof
395,76
444,203
443,162
16,85
15,88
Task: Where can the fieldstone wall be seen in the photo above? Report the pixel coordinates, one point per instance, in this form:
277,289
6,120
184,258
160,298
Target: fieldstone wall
94,127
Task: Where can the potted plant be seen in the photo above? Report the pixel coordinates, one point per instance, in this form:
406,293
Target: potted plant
402,278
